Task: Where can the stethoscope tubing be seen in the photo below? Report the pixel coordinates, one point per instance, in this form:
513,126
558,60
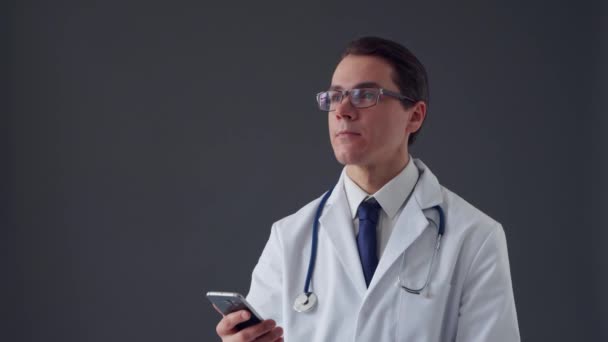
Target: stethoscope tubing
440,230
315,237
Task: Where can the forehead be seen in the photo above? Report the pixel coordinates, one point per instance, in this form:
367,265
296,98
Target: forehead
353,70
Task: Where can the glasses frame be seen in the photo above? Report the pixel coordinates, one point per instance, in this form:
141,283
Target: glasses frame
345,93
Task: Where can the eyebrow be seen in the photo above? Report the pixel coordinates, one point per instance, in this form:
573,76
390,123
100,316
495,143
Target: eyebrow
358,85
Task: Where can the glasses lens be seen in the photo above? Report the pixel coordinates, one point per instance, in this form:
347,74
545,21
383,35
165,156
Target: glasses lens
329,99
324,100
360,98
364,97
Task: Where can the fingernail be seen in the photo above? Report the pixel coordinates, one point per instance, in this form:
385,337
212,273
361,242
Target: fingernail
245,315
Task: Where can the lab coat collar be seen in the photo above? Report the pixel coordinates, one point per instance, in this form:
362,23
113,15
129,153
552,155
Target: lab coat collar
412,221
428,194
336,223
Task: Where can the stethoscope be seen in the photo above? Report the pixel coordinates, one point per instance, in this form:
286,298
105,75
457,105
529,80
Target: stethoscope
307,300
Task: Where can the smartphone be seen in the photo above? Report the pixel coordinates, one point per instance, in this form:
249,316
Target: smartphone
229,302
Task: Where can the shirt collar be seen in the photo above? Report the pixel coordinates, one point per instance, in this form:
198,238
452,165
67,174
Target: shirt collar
390,197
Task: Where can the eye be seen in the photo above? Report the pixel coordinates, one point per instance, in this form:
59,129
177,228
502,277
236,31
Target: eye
366,95
335,96
369,94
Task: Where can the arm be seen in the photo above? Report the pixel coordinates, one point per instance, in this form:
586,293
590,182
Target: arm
265,293
264,296
487,307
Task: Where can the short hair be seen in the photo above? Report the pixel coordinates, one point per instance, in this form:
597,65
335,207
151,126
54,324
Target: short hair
408,73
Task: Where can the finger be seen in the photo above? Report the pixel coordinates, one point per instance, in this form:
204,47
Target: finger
227,324
273,335
253,332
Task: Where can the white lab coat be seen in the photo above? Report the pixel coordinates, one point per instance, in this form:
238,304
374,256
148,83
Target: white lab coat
469,299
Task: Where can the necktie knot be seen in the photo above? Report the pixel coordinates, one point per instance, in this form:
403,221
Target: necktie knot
369,210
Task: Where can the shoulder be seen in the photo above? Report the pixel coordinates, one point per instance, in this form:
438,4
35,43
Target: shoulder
465,219
298,222
479,239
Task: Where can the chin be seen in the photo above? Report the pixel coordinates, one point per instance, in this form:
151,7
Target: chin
348,158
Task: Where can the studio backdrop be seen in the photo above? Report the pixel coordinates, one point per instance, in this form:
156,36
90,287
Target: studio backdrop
150,146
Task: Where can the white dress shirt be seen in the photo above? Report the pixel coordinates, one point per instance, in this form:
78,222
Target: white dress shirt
391,197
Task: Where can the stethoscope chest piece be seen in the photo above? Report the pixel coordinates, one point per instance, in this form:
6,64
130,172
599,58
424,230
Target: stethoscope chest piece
305,302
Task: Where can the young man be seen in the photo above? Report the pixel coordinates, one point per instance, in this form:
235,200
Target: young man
396,256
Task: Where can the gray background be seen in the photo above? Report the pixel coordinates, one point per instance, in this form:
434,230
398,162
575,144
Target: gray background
149,146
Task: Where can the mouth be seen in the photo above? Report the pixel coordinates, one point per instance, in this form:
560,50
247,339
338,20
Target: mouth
347,133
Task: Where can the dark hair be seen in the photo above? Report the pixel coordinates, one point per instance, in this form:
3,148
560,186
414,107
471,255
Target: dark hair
408,73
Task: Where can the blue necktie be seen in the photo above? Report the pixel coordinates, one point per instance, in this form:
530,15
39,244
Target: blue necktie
368,212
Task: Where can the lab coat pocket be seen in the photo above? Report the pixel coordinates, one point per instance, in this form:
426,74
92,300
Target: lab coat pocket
422,317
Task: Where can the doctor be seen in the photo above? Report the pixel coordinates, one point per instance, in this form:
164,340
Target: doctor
396,256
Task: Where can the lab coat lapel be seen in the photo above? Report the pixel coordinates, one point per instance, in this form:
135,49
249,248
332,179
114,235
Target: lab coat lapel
409,226
336,223
412,221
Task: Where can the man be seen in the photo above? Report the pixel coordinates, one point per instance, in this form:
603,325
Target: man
378,275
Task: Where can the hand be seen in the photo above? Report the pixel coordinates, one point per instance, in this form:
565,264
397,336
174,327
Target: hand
266,331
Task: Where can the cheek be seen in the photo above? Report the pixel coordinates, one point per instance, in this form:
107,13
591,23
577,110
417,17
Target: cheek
331,121
331,125
390,131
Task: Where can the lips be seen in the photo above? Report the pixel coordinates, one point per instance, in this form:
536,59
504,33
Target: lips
347,133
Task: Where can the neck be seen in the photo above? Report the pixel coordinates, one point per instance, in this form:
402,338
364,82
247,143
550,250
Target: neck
372,178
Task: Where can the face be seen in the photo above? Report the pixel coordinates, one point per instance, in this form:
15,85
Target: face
373,136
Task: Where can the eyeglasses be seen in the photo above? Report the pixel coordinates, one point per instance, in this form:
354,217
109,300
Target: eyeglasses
359,97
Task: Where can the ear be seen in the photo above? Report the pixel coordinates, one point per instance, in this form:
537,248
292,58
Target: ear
417,117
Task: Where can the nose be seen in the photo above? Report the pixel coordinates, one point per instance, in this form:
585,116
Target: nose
345,110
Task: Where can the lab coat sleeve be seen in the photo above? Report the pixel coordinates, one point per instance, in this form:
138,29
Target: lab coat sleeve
267,279
487,307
